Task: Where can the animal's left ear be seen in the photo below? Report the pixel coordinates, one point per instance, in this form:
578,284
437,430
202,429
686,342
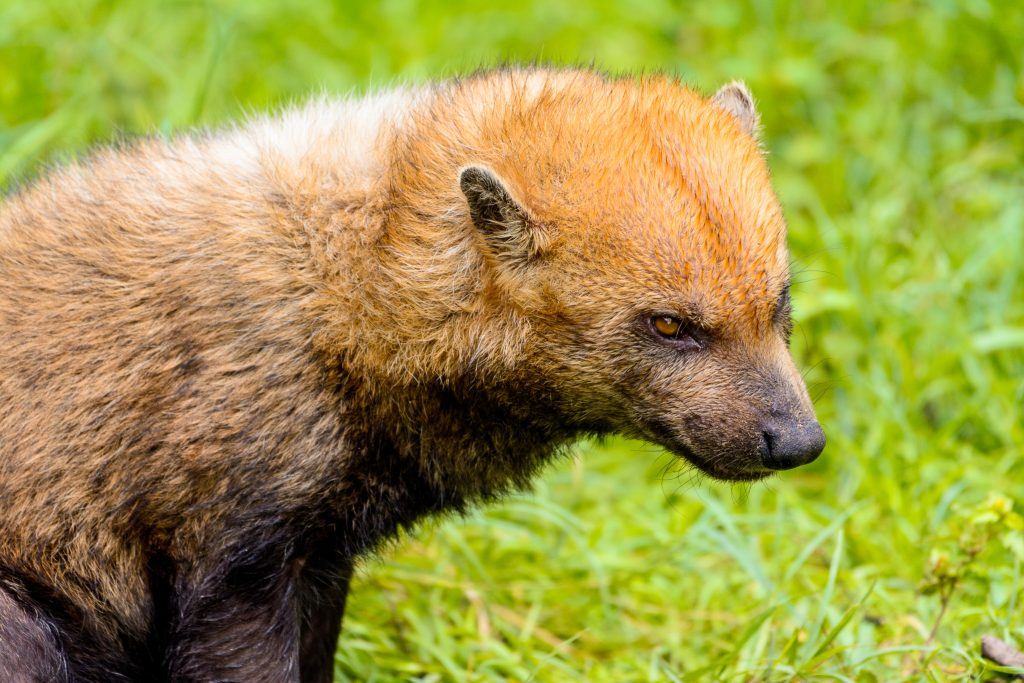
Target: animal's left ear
508,229
736,99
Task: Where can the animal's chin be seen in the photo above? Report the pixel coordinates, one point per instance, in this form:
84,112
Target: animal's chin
721,471
716,468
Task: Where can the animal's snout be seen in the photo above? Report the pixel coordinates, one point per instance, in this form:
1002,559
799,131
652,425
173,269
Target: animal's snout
787,443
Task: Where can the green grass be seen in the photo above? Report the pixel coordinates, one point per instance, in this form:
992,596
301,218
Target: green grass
896,138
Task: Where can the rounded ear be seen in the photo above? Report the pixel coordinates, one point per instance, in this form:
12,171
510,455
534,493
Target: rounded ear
735,98
506,226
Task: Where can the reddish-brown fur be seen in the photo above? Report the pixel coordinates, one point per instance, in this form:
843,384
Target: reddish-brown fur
232,363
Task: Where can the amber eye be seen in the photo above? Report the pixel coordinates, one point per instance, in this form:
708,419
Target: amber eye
667,326
675,333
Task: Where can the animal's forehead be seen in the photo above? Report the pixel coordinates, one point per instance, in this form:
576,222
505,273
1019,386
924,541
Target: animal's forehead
697,163
688,217
688,203
651,151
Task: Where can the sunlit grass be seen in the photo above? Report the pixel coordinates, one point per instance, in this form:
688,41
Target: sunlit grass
895,132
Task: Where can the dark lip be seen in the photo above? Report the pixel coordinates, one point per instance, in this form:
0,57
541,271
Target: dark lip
663,436
755,473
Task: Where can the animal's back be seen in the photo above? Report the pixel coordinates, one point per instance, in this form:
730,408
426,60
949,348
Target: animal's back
159,310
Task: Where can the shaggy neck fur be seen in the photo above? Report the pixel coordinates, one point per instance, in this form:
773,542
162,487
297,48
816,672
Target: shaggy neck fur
407,301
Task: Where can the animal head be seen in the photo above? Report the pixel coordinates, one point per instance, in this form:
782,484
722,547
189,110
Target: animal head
628,233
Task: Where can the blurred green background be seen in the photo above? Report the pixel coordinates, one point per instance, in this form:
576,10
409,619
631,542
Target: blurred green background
895,132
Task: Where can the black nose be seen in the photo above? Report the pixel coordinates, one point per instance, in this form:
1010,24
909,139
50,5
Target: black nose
788,444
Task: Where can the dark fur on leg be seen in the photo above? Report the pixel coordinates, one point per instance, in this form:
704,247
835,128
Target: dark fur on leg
29,652
323,601
242,626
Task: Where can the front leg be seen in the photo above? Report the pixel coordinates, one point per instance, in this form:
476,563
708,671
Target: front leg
29,652
238,626
323,594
